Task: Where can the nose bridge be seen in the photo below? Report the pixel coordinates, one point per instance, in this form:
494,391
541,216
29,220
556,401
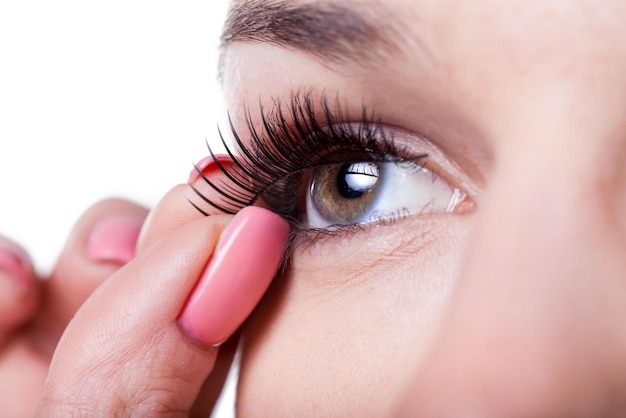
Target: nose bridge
539,205
529,253
533,327
528,326
550,208
546,242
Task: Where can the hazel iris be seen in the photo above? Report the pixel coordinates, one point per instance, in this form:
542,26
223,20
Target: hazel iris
345,193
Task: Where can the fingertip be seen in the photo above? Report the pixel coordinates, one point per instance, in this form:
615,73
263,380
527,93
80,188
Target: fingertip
15,263
237,275
113,239
220,184
208,166
100,243
217,185
172,211
18,290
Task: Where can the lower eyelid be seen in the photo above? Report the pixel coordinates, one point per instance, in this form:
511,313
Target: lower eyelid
370,248
308,237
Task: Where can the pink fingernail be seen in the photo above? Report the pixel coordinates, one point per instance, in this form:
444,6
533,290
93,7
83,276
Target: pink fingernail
114,239
14,266
236,276
208,164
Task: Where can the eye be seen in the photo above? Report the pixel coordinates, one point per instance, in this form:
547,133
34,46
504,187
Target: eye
361,192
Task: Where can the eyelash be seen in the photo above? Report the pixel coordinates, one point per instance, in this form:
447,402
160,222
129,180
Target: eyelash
293,138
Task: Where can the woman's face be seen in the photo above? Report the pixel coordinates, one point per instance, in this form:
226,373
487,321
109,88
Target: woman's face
487,272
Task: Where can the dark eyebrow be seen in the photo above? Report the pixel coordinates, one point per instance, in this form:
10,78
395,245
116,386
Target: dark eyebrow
329,30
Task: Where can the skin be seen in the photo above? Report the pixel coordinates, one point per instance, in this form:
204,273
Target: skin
528,99
513,308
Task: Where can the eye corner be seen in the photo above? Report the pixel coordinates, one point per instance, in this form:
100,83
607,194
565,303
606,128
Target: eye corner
465,206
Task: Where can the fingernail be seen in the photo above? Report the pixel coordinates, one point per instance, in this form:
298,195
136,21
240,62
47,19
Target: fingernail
208,164
113,239
236,276
13,265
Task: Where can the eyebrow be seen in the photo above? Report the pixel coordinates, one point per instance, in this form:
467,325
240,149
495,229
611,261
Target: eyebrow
328,30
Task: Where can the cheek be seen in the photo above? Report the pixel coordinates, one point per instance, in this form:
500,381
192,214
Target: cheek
346,328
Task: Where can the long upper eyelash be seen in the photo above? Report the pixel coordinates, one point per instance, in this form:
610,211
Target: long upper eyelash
292,137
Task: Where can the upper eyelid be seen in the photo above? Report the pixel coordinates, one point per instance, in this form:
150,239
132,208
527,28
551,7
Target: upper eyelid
259,157
292,135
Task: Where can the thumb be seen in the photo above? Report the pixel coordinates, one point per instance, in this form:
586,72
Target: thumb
144,342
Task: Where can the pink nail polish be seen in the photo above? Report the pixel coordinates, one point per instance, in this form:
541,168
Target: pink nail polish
236,276
114,239
208,164
14,266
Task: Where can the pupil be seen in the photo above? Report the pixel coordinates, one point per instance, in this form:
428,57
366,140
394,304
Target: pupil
356,179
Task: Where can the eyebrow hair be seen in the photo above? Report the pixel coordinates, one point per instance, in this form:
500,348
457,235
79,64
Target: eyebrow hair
329,30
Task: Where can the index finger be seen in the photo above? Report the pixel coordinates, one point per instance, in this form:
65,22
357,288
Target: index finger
187,202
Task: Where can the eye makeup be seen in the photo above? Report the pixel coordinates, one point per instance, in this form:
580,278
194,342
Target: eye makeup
276,157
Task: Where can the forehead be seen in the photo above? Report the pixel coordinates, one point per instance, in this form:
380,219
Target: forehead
446,31
476,56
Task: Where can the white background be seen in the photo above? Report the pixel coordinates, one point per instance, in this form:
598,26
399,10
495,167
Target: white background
100,99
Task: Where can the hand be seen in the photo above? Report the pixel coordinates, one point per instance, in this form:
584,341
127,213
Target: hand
144,342
34,312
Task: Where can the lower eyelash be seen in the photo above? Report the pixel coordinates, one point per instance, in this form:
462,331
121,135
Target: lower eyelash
304,238
293,137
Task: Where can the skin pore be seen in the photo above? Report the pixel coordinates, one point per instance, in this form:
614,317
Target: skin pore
511,308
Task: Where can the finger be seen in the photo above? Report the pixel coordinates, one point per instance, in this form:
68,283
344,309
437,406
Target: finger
102,241
181,205
18,287
188,202
173,211
212,387
142,344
